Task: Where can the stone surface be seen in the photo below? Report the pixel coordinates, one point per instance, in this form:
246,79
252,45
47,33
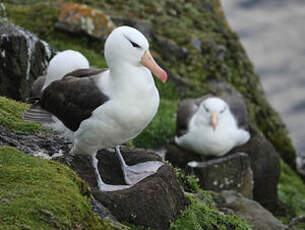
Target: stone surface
252,212
232,172
170,50
42,146
179,157
265,163
23,57
154,202
79,18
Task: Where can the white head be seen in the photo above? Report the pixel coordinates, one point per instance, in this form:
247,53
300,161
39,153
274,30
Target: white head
63,63
128,45
213,110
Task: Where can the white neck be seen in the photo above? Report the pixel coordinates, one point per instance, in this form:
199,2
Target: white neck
124,79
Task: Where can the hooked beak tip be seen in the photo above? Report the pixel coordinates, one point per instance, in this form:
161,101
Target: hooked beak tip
149,62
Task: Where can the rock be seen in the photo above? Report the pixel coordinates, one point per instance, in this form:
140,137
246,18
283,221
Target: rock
265,163
179,157
79,18
42,146
210,46
252,212
196,43
23,57
232,172
170,50
154,202
102,211
301,165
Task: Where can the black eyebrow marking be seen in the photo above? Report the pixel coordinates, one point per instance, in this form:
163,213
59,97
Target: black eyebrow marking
132,43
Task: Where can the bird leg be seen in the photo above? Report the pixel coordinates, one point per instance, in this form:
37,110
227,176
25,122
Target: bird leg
102,186
135,173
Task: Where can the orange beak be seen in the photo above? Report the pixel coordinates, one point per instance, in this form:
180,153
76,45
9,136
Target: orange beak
149,62
213,120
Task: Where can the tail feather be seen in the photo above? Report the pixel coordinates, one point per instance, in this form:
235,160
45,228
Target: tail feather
37,114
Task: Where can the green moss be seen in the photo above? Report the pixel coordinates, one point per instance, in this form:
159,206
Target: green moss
202,214
41,194
291,190
189,182
10,116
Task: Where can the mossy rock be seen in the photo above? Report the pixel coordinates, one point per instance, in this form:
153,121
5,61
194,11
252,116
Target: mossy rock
41,194
11,116
202,214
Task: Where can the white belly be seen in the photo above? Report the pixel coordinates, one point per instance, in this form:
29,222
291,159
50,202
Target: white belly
115,122
208,142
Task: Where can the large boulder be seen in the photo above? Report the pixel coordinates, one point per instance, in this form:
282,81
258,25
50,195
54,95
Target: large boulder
79,18
23,57
232,172
252,212
265,163
154,202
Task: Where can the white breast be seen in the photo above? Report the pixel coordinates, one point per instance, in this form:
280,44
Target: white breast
202,139
124,116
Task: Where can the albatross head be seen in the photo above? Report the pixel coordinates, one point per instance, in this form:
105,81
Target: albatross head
128,45
213,110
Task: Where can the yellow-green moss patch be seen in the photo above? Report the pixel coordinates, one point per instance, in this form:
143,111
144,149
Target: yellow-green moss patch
291,191
41,194
202,214
10,116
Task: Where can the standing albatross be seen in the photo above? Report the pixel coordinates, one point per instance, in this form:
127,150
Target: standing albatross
106,108
207,126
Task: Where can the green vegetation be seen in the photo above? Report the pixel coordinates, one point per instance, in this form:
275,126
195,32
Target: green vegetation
202,214
41,194
10,116
291,191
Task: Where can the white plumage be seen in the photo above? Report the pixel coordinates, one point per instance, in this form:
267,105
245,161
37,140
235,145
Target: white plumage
62,63
212,130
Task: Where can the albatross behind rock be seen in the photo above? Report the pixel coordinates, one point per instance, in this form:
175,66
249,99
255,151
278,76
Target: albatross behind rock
111,107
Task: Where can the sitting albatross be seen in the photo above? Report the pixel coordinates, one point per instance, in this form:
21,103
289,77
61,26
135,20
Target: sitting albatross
105,108
208,127
62,63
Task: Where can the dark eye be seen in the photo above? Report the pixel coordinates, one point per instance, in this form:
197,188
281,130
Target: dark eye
222,111
135,44
206,109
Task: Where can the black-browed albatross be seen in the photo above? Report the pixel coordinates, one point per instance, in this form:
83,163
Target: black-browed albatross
207,127
62,63
105,108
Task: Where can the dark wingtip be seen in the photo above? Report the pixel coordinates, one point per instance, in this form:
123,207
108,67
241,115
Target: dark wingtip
37,114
